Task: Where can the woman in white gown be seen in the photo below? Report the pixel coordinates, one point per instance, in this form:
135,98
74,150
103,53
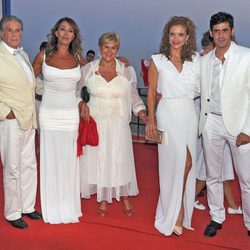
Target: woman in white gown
174,72
108,169
59,120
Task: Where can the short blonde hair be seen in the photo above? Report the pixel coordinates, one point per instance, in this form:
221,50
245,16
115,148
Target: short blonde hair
109,36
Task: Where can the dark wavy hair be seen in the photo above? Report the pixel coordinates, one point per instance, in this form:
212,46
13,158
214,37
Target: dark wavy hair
206,39
75,47
189,48
221,17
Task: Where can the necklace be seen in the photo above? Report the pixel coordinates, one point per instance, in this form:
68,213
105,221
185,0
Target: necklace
107,65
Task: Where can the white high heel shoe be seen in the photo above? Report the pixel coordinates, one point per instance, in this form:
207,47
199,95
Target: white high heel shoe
177,231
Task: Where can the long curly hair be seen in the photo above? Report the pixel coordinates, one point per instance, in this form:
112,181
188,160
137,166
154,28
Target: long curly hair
75,47
189,48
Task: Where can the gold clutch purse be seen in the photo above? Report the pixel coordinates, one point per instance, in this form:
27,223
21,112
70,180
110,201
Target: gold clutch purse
159,138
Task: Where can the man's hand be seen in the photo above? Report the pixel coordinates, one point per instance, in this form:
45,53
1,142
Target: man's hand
124,60
242,139
11,115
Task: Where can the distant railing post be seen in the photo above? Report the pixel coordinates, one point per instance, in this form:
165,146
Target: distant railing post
6,5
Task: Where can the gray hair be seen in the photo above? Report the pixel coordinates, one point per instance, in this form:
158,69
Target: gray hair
109,36
8,18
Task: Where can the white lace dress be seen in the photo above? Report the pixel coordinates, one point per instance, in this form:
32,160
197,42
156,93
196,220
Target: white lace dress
177,117
108,169
59,165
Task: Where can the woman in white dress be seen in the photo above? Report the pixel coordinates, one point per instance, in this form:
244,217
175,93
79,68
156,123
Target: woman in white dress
59,120
108,169
174,73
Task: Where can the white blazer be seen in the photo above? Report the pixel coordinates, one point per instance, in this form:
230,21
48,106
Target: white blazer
235,90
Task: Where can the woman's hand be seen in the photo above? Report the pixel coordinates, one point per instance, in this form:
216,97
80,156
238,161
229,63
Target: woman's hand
84,111
151,128
158,97
143,115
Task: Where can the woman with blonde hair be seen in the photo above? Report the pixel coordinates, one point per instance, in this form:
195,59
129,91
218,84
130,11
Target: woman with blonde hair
174,72
108,169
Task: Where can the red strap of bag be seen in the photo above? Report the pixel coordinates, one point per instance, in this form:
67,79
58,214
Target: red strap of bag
87,135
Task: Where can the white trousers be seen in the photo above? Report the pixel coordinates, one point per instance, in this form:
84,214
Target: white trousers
227,163
215,137
201,169
17,148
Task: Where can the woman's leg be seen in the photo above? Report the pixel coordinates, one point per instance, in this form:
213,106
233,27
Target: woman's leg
102,209
128,207
188,166
200,185
229,195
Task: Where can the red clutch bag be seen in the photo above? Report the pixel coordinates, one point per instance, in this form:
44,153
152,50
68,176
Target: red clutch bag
87,135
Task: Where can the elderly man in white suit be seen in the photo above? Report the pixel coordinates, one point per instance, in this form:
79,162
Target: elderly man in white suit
225,116
17,126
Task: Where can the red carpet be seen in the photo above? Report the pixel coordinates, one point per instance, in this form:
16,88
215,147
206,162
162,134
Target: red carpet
117,231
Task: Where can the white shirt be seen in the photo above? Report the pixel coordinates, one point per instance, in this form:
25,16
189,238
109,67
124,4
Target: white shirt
218,72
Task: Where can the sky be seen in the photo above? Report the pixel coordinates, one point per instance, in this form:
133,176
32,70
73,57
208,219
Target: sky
1,9
138,22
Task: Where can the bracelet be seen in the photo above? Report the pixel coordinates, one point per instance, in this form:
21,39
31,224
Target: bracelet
142,115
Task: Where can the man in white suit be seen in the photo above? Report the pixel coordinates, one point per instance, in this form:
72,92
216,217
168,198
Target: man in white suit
225,116
17,125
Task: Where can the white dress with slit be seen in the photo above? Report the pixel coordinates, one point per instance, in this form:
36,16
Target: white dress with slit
177,117
108,169
59,165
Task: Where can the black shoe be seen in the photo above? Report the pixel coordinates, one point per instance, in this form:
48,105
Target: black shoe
212,228
19,223
34,215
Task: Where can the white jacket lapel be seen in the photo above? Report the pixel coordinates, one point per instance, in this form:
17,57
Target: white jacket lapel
229,65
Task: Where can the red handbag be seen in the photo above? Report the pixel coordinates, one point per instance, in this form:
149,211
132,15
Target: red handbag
87,134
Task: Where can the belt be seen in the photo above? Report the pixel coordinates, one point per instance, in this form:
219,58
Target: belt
214,113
